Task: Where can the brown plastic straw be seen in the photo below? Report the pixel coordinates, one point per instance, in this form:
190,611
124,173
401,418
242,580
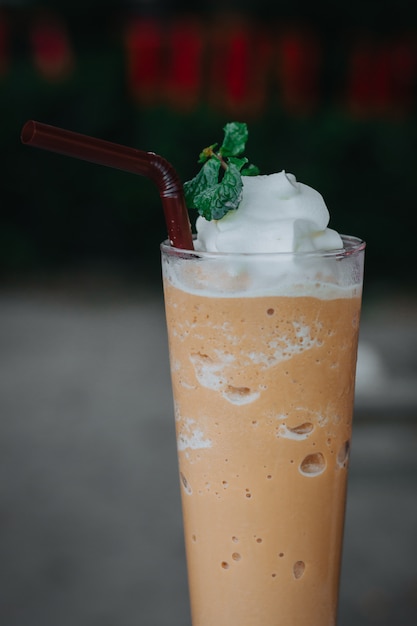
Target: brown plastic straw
114,155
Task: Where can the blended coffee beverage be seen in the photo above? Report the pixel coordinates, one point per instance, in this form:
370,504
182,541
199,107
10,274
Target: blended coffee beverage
263,321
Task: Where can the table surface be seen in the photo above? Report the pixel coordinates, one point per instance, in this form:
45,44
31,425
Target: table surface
90,524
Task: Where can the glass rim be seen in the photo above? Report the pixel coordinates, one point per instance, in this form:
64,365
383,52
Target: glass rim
351,246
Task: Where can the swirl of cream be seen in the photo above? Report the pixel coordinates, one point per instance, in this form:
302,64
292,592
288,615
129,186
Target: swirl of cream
276,214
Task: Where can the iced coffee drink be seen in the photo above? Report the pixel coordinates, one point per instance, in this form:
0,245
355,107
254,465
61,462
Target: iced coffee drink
263,314
263,324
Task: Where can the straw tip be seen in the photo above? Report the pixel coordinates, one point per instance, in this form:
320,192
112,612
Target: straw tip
28,132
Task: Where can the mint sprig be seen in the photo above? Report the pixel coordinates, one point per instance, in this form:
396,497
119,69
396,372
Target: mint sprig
217,188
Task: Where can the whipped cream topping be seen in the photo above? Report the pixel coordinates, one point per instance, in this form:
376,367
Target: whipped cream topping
276,214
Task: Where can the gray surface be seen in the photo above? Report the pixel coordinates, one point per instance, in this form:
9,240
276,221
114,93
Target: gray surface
90,526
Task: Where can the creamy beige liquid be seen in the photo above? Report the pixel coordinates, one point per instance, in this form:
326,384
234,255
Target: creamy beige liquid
263,390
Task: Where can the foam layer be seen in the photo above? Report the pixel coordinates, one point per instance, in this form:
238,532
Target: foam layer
325,275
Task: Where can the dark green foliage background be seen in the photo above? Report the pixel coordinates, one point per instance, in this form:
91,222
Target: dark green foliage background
58,212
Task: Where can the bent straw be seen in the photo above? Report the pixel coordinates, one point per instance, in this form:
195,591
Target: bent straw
114,155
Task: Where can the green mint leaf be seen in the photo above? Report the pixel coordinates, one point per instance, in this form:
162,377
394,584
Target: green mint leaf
235,138
207,177
251,170
244,167
214,202
239,162
217,188
207,153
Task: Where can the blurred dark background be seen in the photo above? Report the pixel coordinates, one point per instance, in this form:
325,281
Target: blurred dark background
90,527
328,94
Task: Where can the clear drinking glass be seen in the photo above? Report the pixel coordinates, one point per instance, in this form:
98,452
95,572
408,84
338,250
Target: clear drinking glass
263,354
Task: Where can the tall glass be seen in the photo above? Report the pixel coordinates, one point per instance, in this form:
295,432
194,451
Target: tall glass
263,355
